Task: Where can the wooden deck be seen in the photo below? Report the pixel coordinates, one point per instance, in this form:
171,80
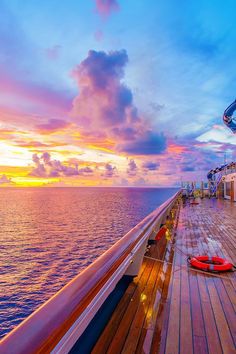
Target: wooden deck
170,308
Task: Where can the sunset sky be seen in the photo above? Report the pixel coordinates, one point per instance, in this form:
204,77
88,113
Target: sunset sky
115,92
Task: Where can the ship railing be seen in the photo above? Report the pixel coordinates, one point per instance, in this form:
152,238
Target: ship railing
230,170
57,325
194,189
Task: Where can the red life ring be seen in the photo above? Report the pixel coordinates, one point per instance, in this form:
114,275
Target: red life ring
211,263
161,233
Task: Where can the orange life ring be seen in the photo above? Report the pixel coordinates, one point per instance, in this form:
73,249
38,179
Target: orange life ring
210,263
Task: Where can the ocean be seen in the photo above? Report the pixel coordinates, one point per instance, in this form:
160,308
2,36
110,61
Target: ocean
48,235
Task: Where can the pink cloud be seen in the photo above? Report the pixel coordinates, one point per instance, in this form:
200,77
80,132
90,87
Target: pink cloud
110,171
15,117
105,105
52,126
47,167
5,180
106,7
103,100
22,87
33,145
33,94
132,168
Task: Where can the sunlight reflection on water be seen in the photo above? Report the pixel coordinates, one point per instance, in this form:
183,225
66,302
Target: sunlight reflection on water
49,235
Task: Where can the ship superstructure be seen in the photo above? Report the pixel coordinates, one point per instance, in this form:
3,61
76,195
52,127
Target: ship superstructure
222,181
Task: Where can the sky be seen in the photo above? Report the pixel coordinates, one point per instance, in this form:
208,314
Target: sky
115,92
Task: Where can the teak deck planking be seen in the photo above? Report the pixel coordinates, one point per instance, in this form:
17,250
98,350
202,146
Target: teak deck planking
171,308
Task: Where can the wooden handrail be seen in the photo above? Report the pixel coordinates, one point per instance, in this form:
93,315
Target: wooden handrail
45,327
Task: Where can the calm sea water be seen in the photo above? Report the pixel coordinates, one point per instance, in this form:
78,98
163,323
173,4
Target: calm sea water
48,235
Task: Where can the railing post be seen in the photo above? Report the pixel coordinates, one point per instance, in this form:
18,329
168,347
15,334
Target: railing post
232,191
202,189
136,263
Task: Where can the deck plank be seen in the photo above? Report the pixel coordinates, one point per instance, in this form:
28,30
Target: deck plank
119,339
183,311
186,340
227,307
172,341
161,326
212,335
134,334
158,298
106,338
221,321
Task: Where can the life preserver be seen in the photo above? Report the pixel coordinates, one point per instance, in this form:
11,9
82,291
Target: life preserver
161,233
210,263
194,203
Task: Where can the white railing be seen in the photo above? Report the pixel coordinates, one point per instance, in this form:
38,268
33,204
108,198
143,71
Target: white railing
230,170
58,323
192,189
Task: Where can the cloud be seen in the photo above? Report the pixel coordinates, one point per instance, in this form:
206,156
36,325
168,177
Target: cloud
110,171
30,144
151,166
187,168
33,96
52,126
219,134
105,105
132,168
85,171
22,86
5,180
46,167
148,143
106,7
124,182
140,182
102,100
33,145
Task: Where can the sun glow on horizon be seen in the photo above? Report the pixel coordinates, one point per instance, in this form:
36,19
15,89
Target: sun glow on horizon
86,107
